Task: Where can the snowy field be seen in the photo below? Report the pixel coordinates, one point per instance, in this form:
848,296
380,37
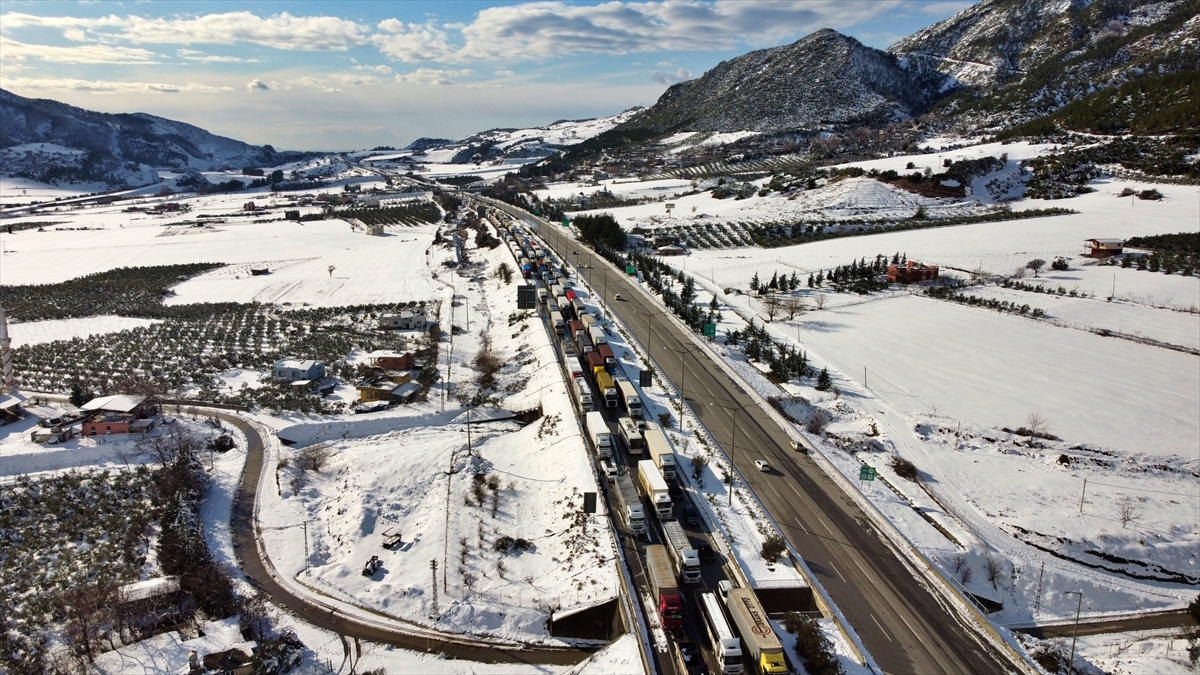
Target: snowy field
38,332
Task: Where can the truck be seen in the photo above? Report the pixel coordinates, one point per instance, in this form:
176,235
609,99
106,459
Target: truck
630,400
762,645
655,488
588,320
600,434
606,351
631,505
727,648
685,558
632,435
583,394
660,450
556,320
664,587
608,388
595,362
598,336
584,343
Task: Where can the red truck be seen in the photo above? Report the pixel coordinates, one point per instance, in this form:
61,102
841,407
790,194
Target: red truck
664,586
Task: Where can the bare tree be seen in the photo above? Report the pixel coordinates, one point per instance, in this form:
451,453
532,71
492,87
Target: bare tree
793,306
314,457
1037,424
1129,510
817,421
88,612
1036,265
699,463
164,447
771,305
994,567
331,269
819,299
488,364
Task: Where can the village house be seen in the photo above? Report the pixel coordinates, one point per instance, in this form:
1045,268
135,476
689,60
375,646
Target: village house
405,320
118,414
297,369
1103,248
671,250
392,361
911,273
386,390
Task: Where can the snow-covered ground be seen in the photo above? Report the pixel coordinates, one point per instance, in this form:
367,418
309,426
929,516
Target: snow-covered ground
1133,431
38,332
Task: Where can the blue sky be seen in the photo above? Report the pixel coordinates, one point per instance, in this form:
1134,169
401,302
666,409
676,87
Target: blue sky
349,75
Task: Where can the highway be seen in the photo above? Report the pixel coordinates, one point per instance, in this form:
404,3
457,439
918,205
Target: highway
905,625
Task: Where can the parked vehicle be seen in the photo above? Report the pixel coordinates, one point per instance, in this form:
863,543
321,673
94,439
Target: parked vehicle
684,558
655,488
762,645
631,505
727,648
664,586
599,432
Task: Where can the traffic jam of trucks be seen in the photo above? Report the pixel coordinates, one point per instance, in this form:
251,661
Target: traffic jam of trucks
736,627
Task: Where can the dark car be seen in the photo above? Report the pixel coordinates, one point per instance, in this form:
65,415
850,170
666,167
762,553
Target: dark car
707,554
690,515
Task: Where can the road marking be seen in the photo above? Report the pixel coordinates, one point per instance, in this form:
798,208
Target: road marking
906,623
839,572
885,633
825,526
791,485
804,528
860,567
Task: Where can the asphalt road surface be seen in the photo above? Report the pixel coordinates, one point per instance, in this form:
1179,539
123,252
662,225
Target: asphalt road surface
252,566
907,627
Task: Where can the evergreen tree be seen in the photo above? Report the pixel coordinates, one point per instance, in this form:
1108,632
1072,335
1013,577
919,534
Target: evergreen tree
824,383
794,283
754,283
896,258
810,280
774,283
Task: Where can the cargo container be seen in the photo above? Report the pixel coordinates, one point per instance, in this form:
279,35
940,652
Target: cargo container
727,648
600,434
664,586
608,389
630,400
655,488
660,450
631,506
762,645
685,558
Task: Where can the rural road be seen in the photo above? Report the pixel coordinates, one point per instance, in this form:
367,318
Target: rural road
244,541
906,626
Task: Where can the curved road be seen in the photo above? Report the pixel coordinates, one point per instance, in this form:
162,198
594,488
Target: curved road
905,625
246,545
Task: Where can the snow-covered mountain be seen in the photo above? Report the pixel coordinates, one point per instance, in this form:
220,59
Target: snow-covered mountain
1017,60
54,142
823,79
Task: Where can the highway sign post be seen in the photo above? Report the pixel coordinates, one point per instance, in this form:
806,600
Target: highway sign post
710,330
867,473
630,269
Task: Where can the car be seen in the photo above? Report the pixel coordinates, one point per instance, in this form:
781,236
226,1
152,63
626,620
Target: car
707,554
617,296
797,446
762,465
690,515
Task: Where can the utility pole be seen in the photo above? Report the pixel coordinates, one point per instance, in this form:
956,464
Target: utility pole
1081,495
305,524
1038,602
732,450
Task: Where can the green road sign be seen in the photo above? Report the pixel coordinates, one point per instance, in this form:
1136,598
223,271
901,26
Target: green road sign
630,269
566,223
710,330
866,473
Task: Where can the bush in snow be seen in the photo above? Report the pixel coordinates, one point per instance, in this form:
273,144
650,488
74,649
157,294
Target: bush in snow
773,547
812,645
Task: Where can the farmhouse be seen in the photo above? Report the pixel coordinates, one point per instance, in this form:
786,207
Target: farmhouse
392,361
296,369
672,250
405,320
249,206
1103,248
119,414
386,390
912,272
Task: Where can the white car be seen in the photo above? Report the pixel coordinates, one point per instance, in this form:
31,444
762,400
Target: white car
617,296
762,465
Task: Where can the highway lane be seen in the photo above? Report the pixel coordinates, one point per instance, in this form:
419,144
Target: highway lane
906,626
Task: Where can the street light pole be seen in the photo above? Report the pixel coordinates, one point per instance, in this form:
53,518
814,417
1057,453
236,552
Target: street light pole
1075,634
732,450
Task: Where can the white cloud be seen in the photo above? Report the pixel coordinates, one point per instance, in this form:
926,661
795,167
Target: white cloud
412,42
432,76
201,57
104,86
378,70
281,31
671,78
11,50
257,85
554,29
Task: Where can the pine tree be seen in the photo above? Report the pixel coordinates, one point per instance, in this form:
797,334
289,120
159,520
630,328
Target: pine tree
896,258
810,280
754,283
824,383
794,283
774,283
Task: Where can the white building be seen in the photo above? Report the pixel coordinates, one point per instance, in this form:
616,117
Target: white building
296,369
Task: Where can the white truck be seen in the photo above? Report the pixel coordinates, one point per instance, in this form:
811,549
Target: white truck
597,335
683,556
660,450
655,488
583,394
600,434
631,505
630,398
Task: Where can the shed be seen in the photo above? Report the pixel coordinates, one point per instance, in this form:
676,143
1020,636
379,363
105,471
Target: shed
118,403
912,272
297,369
